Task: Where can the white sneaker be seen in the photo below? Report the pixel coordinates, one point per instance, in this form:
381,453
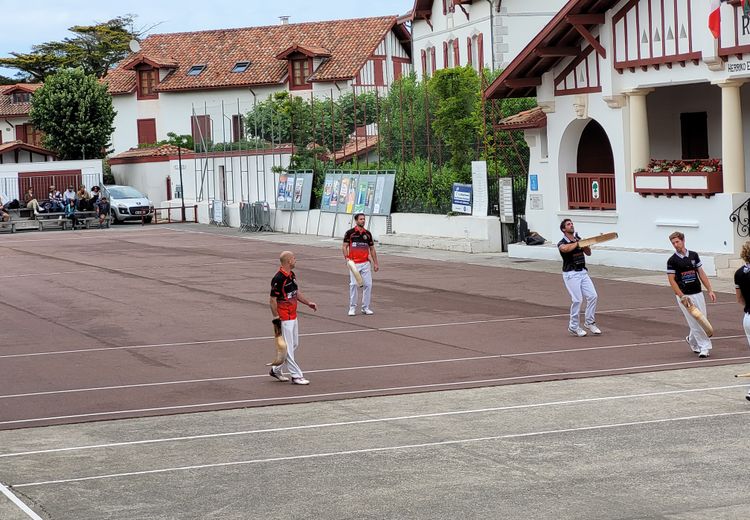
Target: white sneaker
703,354
747,395
593,328
366,310
577,332
352,311
300,381
694,349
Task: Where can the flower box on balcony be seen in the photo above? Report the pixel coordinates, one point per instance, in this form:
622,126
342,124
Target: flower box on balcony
693,177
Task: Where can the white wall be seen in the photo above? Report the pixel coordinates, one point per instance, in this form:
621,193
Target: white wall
8,127
91,171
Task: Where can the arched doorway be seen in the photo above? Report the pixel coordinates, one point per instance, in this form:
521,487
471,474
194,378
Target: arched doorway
592,186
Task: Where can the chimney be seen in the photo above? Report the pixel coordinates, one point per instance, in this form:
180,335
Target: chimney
284,20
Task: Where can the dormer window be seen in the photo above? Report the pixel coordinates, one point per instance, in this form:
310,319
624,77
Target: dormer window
196,70
300,72
20,97
148,79
241,66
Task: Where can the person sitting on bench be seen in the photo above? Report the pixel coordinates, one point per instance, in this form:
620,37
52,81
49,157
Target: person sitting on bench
29,200
56,199
102,210
83,197
70,212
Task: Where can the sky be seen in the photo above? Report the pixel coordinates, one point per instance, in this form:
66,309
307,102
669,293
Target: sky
37,21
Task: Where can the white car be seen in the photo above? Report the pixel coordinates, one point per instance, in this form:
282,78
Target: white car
127,203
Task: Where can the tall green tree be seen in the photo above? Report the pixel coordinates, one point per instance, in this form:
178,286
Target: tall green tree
94,48
458,119
75,113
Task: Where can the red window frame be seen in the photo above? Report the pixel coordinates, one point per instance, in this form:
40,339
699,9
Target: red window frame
238,128
146,131
148,79
299,70
29,135
200,126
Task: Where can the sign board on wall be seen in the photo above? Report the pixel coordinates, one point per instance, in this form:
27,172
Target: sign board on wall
461,198
480,196
294,190
533,182
506,201
368,192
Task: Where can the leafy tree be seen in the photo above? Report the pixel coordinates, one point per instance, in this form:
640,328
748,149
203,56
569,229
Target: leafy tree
75,113
457,118
94,48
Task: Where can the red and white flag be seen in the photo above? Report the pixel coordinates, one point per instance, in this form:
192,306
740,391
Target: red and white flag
714,17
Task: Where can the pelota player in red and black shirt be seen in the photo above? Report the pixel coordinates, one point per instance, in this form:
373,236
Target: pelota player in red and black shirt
284,297
359,247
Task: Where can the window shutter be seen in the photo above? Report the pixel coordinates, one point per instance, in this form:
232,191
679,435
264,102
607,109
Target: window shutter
21,133
432,55
456,54
424,62
480,51
468,50
445,55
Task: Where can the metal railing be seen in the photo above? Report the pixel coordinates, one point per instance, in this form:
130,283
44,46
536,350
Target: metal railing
172,214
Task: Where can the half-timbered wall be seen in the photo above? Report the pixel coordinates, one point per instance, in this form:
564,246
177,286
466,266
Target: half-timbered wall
581,76
653,33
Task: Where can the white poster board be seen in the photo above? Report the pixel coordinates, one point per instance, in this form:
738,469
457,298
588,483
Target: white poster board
480,194
506,200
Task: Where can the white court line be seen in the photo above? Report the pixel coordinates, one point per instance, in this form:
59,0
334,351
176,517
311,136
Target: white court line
372,421
402,447
361,367
23,507
611,371
330,333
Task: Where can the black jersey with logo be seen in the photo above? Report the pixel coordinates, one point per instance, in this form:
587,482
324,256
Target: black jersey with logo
685,271
742,282
284,289
574,260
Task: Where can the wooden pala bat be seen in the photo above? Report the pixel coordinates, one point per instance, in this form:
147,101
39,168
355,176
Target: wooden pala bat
355,272
696,313
742,375
604,237
280,344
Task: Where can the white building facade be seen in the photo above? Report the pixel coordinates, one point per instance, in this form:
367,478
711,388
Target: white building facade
203,83
646,119
480,33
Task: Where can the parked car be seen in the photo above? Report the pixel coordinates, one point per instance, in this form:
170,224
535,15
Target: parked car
127,203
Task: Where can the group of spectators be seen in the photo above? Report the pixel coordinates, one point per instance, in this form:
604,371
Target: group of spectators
67,203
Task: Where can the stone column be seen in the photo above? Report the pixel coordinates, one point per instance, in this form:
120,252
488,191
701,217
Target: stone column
732,148
640,144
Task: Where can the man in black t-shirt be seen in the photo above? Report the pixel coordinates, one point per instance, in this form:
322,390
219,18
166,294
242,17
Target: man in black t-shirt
685,274
577,280
742,290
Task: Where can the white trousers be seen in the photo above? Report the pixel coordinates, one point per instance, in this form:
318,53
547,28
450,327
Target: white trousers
580,287
746,326
291,336
697,337
364,271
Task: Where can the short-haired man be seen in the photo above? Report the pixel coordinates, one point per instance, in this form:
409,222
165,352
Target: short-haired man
685,274
577,280
359,247
284,297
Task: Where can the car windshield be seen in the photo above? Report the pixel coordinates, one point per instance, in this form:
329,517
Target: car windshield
125,192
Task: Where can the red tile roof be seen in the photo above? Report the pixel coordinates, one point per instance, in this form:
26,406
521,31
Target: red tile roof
356,147
156,151
533,118
20,145
349,42
8,109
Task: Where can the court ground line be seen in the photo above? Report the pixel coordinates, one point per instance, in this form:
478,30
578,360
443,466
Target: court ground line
612,371
86,235
372,421
402,447
326,333
361,367
19,503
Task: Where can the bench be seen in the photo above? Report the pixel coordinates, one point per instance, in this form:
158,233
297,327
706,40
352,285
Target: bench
21,212
89,219
8,226
47,220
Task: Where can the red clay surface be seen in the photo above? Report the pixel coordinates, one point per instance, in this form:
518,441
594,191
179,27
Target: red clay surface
150,321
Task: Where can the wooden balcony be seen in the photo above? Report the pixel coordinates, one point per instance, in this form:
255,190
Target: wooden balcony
591,191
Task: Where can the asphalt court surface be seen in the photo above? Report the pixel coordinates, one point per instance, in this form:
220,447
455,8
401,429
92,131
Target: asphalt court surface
145,322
